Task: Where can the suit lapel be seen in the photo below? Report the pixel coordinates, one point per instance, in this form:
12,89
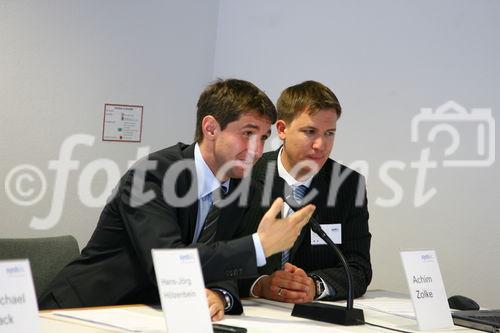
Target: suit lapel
187,179
299,240
193,212
321,184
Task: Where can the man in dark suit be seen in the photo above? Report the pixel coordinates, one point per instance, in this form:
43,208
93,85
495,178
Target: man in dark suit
172,199
301,169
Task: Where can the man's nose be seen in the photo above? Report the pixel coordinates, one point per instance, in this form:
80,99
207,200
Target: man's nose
319,143
259,150
255,149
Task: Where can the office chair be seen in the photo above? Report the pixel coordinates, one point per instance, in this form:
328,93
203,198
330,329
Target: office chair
47,255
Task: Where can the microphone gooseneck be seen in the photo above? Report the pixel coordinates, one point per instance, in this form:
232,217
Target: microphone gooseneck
325,312
321,233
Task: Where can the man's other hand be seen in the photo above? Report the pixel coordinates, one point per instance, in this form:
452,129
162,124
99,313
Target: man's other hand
215,304
290,285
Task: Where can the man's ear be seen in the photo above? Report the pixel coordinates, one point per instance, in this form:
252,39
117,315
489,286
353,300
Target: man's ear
281,129
210,127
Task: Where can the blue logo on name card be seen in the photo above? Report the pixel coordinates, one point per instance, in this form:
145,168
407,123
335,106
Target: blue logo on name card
186,258
427,258
14,271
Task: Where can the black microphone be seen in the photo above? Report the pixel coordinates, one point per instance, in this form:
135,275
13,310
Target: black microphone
329,313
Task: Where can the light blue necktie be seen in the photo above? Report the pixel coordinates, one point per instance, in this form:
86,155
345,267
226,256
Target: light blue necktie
298,193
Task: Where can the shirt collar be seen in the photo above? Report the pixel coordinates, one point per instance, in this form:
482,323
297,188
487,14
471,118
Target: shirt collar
287,177
207,182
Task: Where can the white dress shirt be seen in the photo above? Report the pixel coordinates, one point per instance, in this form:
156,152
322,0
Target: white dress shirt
208,183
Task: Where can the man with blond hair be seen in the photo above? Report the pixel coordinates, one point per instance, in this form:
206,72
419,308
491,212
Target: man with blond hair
302,171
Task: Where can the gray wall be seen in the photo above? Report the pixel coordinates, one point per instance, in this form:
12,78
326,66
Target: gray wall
60,61
386,60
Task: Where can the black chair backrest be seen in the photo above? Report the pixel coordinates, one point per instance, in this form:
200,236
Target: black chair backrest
47,256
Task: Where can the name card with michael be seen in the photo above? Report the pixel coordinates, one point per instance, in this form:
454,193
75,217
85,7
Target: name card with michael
18,306
427,289
182,290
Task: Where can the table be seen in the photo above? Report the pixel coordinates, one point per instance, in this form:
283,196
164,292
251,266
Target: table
267,316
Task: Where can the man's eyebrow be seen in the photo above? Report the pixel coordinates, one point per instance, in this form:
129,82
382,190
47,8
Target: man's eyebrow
314,127
253,126
308,127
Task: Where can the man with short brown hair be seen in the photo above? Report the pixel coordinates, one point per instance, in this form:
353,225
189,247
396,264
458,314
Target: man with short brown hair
169,200
301,169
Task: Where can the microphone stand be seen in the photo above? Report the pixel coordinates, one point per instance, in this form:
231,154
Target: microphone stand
330,313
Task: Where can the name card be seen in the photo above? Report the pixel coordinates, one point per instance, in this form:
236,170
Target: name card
182,290
334,231
426,289
18,306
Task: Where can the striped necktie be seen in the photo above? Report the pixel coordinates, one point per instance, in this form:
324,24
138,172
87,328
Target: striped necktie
207,235
298,193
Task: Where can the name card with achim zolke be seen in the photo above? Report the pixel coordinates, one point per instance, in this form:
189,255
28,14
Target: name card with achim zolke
426,289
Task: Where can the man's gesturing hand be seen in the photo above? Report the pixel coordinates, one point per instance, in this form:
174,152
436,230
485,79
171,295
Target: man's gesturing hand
277,235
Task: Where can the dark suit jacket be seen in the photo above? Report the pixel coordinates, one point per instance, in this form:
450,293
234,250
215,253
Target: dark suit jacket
116,266
320,259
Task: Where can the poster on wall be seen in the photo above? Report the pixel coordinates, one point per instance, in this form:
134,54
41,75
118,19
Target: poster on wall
122,123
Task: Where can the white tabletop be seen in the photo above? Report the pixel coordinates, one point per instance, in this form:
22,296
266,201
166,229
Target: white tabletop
267,316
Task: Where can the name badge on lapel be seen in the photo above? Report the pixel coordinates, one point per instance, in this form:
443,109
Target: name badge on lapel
334,231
